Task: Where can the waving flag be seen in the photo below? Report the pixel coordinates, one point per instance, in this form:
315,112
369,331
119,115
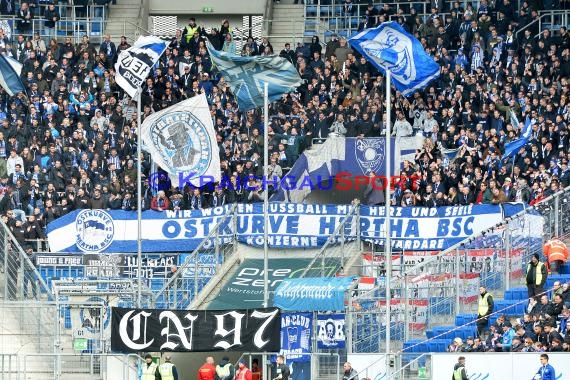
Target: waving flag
247,76
513,147
390,47
10,71
134,64
181,140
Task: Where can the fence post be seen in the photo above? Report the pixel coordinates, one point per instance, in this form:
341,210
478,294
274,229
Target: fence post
508,266
556,216
457,282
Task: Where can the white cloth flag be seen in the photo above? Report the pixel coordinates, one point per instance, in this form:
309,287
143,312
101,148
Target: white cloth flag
134,64
181,139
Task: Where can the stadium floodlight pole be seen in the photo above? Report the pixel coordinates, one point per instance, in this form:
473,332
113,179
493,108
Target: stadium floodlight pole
387,230
265,208
139,203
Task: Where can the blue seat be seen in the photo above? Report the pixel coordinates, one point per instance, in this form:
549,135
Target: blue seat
326,10
311,10
462,319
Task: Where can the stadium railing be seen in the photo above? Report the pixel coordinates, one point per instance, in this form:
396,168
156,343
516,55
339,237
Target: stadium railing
70,25
19,276
333,253
193,275
445,285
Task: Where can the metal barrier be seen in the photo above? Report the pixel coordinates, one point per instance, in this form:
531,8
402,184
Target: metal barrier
19,277
333,253
92,24
9,366
187,281
440,286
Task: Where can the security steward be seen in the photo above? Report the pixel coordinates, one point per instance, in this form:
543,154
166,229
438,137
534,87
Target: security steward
149,369
536,274
459,370
167,370
485,308
556,253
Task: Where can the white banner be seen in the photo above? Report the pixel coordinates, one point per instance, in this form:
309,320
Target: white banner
498,366
181,139
134,64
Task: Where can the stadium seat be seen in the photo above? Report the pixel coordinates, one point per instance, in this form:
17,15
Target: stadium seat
310,10
462,319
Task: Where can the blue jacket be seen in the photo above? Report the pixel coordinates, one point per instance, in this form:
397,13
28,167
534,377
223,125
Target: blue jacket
508,339
546,372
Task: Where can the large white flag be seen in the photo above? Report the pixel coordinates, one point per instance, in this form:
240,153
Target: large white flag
134,64
181,140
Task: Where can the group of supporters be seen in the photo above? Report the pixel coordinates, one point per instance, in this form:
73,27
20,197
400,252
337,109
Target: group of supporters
70,141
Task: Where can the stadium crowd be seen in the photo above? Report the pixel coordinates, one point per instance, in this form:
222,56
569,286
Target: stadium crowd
70,142
544,327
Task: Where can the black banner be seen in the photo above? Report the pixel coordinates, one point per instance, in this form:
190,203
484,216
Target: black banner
134,330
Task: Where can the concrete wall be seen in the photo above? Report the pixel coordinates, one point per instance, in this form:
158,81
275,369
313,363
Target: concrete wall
184,7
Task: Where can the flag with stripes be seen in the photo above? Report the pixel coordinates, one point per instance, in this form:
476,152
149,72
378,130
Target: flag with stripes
247,76
10,71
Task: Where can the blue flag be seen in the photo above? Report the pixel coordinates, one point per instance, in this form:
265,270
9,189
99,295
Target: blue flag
513,147
247,75
390,47
10,71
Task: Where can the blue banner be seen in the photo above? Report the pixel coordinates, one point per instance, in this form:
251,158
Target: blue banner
312,294
290,225
248,75
296,330
390,47
340,161
330,331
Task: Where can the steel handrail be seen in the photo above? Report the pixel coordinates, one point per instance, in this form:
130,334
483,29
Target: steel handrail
465,242
212,235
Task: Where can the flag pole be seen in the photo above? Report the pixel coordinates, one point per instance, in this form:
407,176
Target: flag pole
265,208
387,240
140,203
265,195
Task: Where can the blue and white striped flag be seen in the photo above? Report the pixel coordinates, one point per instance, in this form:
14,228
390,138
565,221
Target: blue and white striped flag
134,64
514,146
10,71
390,47
247,75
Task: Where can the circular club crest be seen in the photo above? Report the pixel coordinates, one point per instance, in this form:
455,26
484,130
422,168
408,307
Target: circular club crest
185,142
95,230
96,318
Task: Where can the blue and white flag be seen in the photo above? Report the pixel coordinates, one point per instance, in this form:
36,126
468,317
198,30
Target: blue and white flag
181,140
390,47
134,64
330,331
247,76
10,71
514,146
448,154
296,330
319,168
